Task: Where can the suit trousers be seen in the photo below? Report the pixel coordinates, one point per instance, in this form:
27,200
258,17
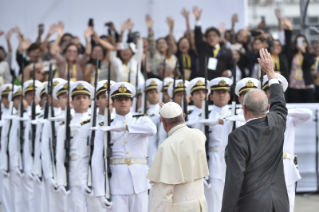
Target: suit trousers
27,194
56,201
6,204
214,195
130,202
16,191
39,199
291,195
93,205
76,200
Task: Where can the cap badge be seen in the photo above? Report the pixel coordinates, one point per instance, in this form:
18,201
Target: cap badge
153,83
249,84
222,83
122,89
79,87
199,83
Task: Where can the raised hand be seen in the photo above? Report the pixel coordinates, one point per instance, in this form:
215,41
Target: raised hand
222,28
1,32
129,25
185,13
9,34
123,27
88,32
266,63
60,28
52,29
287,23
149,21
170,22
234,18
277,13
26,43
197,12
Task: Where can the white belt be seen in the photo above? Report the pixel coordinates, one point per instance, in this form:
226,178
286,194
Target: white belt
74,157
286,155
128,161
213,149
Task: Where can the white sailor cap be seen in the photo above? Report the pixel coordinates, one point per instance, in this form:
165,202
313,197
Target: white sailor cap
179,86
166,83
81,87
122,89
153,83
55,82
28,86
282,80
197,84
102,87
16,91
246,84
41,90
60,88
5,89
220,83
170,110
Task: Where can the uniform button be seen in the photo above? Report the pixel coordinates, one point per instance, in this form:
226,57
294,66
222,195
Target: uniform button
114,138
127,152
124,122
221,114
211,127
126,142
125,131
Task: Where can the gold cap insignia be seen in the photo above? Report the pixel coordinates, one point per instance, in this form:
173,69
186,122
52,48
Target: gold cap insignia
222,83
169,83
249,84
30,85
45,85
7,89
153,83
55,83
105,85
199,83
65,86
122,89
19,90
79,87
180,84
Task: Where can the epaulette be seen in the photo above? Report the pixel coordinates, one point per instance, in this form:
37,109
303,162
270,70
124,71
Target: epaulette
85,122
37,114
40,116
139,115
152,115
200,115
102,123
62,123
189,112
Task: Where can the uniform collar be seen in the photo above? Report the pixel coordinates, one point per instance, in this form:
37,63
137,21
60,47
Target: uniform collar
99,118
126,118
81,115
175,129
220,109
196,109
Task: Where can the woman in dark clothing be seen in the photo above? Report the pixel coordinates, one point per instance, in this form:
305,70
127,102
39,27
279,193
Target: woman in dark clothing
242,64
300,80
187,58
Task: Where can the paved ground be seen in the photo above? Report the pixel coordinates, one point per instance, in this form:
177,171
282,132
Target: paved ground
307,203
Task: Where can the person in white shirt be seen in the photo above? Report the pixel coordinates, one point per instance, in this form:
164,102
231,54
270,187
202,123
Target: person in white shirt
84,136
218,140
80,92
128,162
296,117
55,201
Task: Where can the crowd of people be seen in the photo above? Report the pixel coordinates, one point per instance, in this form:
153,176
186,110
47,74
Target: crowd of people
62,151
294,58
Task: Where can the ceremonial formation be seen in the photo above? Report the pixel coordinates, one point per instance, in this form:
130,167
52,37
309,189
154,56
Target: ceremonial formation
152,125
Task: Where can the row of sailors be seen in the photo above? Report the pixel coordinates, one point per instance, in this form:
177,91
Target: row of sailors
135,139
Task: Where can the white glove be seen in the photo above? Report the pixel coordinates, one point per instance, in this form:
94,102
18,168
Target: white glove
6,174
57,118
24,118
119,128
37,178
191,123
54,186
86,191
94,128
19,172
206,184
209,122
63,191
236,118
30,175
105,203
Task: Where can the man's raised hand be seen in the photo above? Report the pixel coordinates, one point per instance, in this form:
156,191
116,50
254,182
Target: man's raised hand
266,63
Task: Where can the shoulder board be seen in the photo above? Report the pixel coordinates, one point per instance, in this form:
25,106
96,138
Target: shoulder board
189,112
139,115
85,122
62,123
152,115
102,123
40,116
37,114
200,115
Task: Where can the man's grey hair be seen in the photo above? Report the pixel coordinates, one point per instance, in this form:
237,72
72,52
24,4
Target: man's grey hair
175,120
256,102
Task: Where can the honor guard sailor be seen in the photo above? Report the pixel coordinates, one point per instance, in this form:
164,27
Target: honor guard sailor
218,139
80,92
84,150
128,162
58,99
296,117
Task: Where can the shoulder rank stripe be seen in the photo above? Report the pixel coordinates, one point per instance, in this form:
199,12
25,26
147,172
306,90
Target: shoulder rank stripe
139,115
102,123
62,123
85,122
190,111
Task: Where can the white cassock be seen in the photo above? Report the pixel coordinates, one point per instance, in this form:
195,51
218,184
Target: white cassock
128,183
92,203
218,140
76,200
296,117
16,176
39,201
5,190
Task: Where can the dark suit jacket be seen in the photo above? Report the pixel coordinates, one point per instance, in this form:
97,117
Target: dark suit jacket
225,57
255,176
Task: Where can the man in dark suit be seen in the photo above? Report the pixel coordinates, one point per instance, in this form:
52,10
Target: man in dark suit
219,59
255,178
